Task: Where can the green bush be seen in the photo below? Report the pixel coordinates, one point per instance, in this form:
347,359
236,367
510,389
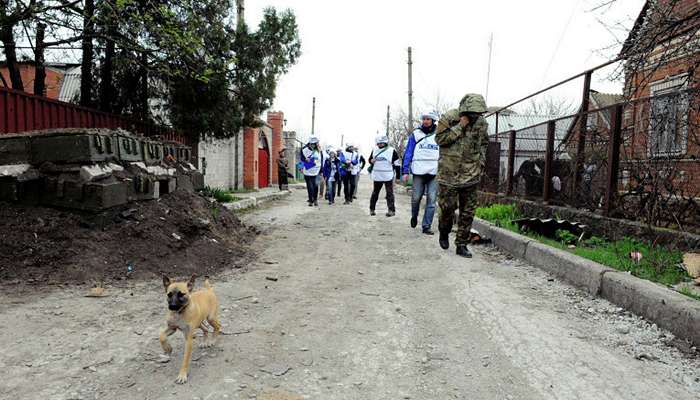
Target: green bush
221,195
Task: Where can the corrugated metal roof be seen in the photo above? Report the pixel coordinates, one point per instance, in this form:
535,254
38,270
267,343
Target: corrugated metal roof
70,86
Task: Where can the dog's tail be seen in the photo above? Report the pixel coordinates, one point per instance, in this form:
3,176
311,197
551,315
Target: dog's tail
207,284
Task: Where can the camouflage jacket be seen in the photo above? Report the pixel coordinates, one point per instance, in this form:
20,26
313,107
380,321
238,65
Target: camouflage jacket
462,152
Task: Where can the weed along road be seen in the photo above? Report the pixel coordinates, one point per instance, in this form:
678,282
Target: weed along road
341,305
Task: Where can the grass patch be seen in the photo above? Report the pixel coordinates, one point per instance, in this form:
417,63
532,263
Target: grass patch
687,292
657,264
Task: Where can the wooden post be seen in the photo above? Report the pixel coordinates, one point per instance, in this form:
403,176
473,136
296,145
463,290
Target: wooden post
511,163
548,162
613,157
583,126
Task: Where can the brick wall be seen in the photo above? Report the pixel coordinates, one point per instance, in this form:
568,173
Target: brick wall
276,120
250,158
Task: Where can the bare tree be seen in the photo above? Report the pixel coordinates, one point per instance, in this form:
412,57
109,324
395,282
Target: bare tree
548,105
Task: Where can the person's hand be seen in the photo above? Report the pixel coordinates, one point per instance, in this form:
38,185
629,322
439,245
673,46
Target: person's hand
463,121
405,178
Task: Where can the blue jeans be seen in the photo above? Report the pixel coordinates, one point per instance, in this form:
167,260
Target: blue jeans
330,190
428,185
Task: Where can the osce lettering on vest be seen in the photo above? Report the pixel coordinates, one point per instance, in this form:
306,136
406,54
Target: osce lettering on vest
425,155
313,166
383,169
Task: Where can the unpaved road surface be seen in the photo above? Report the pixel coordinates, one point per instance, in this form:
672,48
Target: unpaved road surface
362,308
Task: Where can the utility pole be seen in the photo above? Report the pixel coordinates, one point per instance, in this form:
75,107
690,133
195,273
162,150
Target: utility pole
342,141
240,9
313,115
387,120
410,90
488,71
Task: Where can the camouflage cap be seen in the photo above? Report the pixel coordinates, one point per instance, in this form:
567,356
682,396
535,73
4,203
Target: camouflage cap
472,102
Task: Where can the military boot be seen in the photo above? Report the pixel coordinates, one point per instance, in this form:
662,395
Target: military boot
444,240
463,251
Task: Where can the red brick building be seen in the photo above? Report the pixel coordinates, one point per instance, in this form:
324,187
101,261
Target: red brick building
662,123
261,148
55,74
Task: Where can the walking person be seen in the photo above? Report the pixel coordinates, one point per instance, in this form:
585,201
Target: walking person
382,162
340,181
349,159
331,173
462,135
312,160
358,172
421,160
283,170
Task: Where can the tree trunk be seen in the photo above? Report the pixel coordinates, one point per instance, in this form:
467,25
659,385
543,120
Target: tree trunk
8,40
39,68
86,79
106,87
143,101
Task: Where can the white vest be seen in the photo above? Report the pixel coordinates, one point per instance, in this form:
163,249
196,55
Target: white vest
356,167
425,155
308,153
383,168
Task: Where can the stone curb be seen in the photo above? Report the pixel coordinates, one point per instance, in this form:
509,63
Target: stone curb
252,201
665,307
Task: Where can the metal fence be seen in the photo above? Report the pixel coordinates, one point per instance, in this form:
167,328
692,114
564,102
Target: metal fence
638,160
22,112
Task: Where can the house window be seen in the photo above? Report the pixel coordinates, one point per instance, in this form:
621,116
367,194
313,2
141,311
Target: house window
668,123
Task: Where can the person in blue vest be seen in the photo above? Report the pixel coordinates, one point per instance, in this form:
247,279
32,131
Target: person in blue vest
421,160
312,161
348,164
382,162
331,173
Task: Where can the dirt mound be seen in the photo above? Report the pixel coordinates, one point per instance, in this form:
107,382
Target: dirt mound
179,234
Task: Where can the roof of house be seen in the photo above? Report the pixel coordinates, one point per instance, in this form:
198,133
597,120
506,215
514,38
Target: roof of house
509,122
70,86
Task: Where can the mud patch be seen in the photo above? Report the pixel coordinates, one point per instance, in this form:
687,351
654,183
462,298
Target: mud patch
179,234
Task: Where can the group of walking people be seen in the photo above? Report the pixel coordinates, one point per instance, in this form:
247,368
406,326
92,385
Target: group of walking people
445,156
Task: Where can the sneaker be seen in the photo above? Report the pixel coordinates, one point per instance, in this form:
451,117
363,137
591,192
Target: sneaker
311,204
414,222
316,203
427,231
390,213
444,240
354,197
372,213
463,251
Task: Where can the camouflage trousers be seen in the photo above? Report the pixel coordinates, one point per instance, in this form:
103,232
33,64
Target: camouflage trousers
451,199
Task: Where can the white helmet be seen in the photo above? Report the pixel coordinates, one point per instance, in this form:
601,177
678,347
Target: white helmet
382,139
431,114
313,140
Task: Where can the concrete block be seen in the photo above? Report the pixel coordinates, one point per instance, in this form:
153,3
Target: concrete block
668,309
84,196
197,180
241,204
511,242
94,172
143,187
152,151
15,150
26,191
184,182
130,147
73,148
483,227
575,270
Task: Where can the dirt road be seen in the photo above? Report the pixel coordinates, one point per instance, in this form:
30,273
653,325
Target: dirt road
341,305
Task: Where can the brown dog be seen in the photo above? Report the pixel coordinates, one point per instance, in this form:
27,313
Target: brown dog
188,311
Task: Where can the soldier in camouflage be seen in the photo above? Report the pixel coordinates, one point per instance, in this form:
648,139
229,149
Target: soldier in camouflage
462,135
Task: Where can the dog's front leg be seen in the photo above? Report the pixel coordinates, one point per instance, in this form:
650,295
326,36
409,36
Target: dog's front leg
167,348
182,376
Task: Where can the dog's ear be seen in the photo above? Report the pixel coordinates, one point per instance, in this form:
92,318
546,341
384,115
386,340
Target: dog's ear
190,283
166,282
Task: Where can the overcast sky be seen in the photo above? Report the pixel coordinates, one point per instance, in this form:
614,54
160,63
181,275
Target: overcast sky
354,55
